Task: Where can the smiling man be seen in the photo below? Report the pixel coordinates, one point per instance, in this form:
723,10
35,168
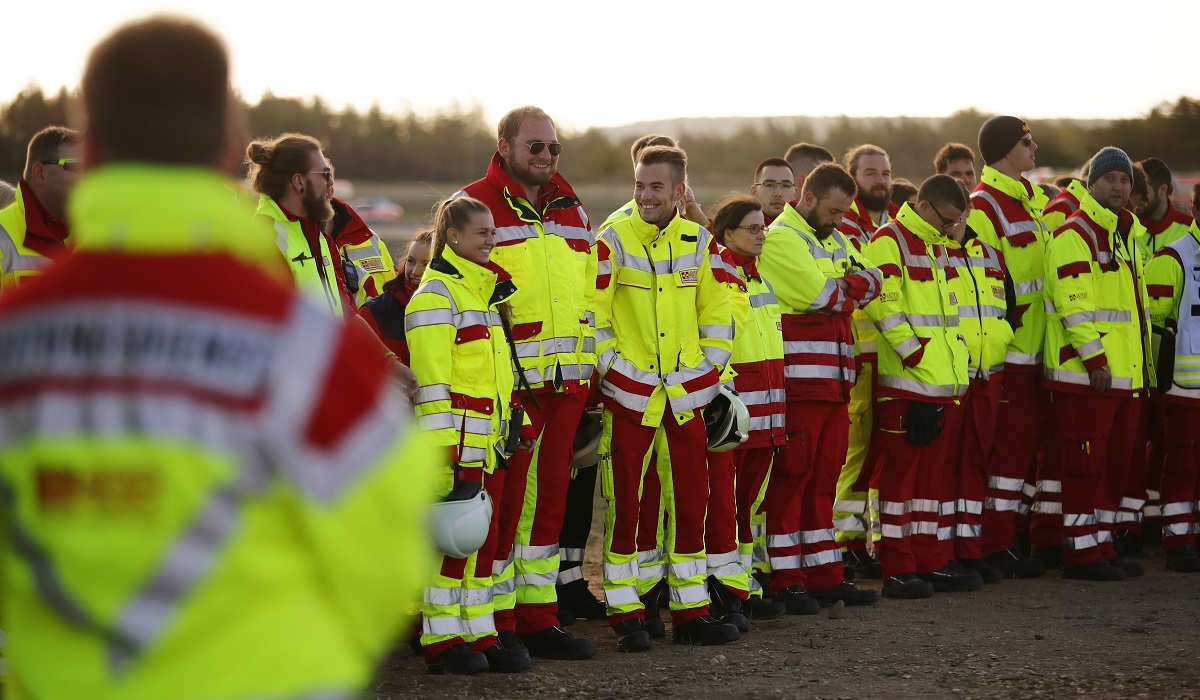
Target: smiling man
33,229
544,241
664,330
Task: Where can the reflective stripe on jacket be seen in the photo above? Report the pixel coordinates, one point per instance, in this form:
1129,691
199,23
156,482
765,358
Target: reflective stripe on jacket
1174,294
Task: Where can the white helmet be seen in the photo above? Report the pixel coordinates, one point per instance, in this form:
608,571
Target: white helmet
586,447
727,421
460,522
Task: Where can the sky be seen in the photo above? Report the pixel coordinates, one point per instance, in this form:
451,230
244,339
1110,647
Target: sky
621,61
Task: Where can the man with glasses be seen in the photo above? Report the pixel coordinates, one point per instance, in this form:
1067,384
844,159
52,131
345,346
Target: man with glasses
775,186
544,240
33,229
1007,215
819,280
922,365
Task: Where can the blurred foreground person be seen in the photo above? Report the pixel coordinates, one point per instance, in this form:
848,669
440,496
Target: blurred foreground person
33,225
187,444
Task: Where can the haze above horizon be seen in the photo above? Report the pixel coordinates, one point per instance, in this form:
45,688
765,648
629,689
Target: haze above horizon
622,61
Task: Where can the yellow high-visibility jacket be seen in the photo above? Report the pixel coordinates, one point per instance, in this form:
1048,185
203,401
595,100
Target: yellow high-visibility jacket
461,358
316,279
1007,215
922,355
210,489
663,320
982,307
20,259
1096,303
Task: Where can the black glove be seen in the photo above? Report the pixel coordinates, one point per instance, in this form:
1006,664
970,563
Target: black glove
925,422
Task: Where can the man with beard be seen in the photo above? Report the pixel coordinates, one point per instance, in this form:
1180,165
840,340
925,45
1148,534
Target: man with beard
294,185
1096,366
1164,223
819,280
543,239
872,172
774,185
33,229
802,158
292,178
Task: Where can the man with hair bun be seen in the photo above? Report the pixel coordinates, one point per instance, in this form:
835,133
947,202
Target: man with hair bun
33,228
544,240
211,490
819,279
922,377
1007,215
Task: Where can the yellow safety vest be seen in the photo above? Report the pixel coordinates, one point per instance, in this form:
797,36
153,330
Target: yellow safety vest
981,305
1174,295
922,355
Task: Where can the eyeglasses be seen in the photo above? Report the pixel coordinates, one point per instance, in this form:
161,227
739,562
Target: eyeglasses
71,165
773,185
326,173
535,147
946,223
754,229
1027,141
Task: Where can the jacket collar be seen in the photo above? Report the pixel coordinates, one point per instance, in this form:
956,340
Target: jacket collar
647,232
748,264
347,227
1021,190
1098,212
504,182
43,233
490,281
920,227
169,210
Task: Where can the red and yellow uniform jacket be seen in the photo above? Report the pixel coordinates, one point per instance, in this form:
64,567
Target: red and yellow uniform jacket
858,227
757,352
31,240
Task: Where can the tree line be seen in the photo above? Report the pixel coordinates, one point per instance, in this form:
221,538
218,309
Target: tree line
451,144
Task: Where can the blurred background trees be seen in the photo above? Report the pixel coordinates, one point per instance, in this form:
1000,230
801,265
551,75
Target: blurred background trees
454,144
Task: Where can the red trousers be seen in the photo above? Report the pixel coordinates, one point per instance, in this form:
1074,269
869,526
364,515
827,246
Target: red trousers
800,495
1180,475
911,483
751,468
1081,451
966,468
540,491
1128,484
1021,422
688,496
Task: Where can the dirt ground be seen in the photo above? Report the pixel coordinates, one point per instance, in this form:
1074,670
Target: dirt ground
1044,637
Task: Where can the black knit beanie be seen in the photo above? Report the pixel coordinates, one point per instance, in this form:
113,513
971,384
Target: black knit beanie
998,135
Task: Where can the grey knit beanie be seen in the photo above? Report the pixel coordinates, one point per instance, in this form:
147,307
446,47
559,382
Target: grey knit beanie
1109,159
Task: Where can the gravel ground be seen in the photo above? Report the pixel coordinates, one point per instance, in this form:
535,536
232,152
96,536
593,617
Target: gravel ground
1045,637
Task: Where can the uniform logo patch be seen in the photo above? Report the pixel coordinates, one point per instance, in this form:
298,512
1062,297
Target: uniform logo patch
689,276
998,292
371,264
779,325
953,298
325,260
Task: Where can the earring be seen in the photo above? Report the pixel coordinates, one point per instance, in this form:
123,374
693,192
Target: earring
301,190
454,241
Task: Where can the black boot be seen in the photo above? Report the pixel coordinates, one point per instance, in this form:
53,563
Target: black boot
986,571
458,660
1183,559
652,600
949,579
862,565
704,630
726,606
1127,543
1012,565
580,601
759,608
557,643
508,655
632,636
846,592
1098,570
796,601
907,586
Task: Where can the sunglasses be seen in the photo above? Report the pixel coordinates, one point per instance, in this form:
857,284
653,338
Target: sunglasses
1027,141
535,147
71,165
326,173
946,223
